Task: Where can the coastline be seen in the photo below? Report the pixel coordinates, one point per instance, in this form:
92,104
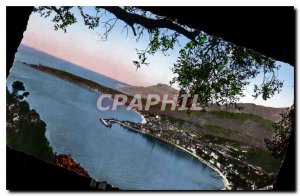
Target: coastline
144,121
99,89
224,179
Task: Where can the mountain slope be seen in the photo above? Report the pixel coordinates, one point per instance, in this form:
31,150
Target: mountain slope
159,89
249,125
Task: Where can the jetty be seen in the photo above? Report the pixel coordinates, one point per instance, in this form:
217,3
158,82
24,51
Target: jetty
105,122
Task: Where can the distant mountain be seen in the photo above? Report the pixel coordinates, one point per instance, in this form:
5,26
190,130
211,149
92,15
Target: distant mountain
268,113
159,89
249,125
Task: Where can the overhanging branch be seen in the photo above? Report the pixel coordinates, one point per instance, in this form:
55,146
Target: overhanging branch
131,19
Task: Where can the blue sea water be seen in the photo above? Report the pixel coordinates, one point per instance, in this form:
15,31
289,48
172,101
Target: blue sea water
124,158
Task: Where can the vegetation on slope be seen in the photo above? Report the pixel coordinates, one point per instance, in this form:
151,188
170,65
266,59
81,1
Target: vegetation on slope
243,117
278,144
25,131
255,156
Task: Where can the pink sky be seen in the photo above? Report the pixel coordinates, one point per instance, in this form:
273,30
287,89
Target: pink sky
114,57
81,46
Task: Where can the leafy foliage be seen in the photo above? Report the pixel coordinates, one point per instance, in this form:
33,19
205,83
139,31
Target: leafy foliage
214,69
25,130
63,18
279,143
218,71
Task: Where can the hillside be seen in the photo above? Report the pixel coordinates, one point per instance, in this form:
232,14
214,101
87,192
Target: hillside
159,89
249,125
269,113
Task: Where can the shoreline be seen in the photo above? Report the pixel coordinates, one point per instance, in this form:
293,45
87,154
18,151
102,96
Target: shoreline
247,175
144,121
224,179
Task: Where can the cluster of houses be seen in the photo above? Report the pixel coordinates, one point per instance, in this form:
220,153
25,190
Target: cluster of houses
221,156
169,132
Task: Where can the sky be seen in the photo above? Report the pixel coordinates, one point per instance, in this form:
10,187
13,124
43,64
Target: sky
113,57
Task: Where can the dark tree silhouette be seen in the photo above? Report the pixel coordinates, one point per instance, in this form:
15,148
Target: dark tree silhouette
25,130
283,129
18,87
215,69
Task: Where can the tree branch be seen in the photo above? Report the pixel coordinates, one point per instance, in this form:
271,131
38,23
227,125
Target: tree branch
131,19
